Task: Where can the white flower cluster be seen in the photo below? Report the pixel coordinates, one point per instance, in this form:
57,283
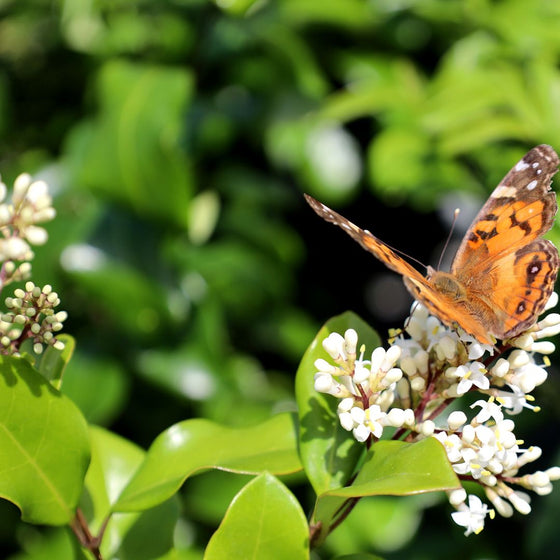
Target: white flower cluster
30,205
31,312
366,387
486,450
410,385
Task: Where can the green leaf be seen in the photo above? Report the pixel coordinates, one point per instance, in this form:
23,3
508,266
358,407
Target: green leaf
44,445
128,536
399,469
113,462
194,445
328,452
263,521
391,468
53,362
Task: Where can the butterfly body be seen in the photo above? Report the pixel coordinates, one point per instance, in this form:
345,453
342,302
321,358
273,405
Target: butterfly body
504,271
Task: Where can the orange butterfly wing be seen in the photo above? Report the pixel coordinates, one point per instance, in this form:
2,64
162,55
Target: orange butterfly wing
503,251
503,272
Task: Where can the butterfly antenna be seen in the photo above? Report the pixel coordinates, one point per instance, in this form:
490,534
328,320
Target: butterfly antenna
455,215
403,254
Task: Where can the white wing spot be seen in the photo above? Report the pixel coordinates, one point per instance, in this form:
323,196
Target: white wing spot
535,165
539,171
521,165
503,191
532,185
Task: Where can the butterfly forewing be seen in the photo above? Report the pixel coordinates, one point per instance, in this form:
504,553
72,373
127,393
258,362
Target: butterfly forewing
521,208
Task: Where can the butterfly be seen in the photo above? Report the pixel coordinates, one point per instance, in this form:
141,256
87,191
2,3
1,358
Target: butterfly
503,272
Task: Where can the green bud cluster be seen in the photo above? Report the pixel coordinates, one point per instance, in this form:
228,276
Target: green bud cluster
31,315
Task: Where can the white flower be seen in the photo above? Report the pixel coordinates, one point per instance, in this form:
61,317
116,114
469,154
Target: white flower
471,374
475,348
361,433
452,444
374,420
528,376
397,417
457,496
472,516
552,301
36,235
350,341
488,409
334,346
514,401
519,358
500,368
502,507
528,456
361,422
14,248
456,419
520,501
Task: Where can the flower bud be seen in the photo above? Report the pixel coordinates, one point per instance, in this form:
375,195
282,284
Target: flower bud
520,502
456,419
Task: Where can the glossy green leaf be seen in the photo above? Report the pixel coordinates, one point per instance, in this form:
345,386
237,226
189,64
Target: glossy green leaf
263,521
44,445
128,536
328,452
391,468
194,445
53,362
113,462
398,468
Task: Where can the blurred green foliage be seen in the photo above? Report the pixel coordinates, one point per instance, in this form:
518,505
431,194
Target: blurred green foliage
178,137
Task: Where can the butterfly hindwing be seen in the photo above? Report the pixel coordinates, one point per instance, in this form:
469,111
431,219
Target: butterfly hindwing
524,283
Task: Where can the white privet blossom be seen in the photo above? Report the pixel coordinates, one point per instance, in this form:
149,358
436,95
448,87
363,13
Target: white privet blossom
31,313
427,367
30,204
